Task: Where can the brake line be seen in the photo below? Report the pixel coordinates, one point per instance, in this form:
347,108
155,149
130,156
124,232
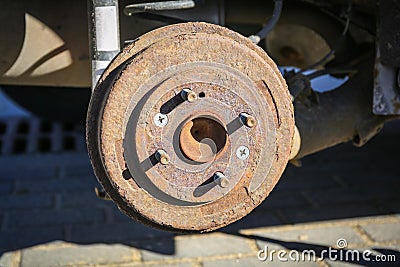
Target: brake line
270,25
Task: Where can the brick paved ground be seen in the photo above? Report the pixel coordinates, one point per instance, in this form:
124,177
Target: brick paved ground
49,215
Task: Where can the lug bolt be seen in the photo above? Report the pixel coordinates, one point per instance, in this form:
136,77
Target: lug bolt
248,120
188,95
162,157
221,179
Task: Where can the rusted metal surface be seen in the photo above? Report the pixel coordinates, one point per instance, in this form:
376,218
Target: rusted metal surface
344,114
388,32
202,139
218,169
386,91
387,62
158,6
104,35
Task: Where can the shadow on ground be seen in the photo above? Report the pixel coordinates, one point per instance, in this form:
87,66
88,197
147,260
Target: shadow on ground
50,197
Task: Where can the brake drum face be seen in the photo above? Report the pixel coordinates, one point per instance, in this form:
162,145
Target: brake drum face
190,127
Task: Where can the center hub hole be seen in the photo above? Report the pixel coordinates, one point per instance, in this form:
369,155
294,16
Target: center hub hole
202,139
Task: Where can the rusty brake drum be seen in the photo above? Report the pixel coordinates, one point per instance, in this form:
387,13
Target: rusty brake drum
190,127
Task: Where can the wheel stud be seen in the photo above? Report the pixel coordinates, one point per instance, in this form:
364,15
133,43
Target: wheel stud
248,120
162,157
188,95
221,179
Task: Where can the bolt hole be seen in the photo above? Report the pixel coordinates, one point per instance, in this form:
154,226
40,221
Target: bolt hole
202,94
202,139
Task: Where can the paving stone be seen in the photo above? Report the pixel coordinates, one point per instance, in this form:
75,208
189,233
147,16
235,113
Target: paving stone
392,253
317,238
379,175
390,206
26,201
86,198
185,264
254,262
325,164
341,264
26,237
257,218
278,199
341,258
334,196
56,185
40,165
114,232
118,216
383,232
278,263
248,262
198,246
159,246
2,221
16,173
331,177
379,190
19,219
8,260
299,180
81,170
5,188
330,212
76,255
358,257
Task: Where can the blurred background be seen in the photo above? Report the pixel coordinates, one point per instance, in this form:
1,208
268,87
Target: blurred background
50,215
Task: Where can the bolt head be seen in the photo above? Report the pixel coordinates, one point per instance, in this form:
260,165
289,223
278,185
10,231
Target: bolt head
188,95
224,182
164,160
162,157
191,97
248,120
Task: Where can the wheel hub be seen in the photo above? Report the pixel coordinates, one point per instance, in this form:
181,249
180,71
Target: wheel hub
201,139
194,129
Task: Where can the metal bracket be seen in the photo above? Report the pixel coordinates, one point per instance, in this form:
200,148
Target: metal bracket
104,35
386,90
158,6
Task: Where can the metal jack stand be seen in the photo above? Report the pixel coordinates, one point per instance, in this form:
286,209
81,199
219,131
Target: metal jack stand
104,37
104,28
